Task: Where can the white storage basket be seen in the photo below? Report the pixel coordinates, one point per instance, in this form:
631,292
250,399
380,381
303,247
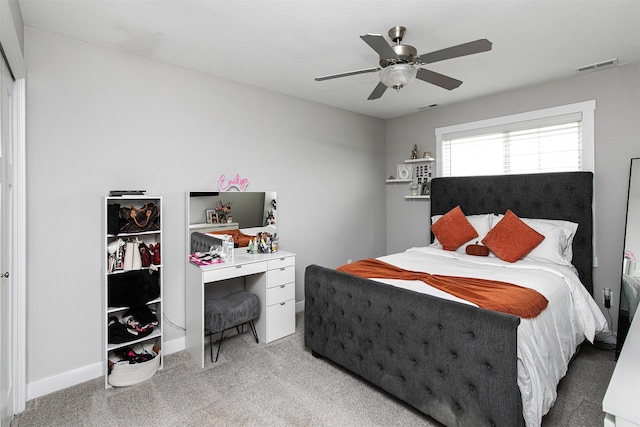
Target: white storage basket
130,374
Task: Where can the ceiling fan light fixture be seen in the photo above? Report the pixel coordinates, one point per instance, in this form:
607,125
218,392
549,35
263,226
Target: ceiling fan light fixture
397,76
400,64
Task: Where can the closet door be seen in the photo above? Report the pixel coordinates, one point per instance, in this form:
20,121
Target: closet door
7,241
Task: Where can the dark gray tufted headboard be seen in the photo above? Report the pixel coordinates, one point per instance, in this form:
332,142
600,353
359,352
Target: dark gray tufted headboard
561,195
201,242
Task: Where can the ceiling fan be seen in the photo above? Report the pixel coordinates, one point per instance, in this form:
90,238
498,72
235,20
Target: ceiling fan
400,63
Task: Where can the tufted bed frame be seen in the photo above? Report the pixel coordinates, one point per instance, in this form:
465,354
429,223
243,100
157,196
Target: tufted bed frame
452,361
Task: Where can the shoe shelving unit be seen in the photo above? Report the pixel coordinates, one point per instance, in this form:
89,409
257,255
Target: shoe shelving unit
155,338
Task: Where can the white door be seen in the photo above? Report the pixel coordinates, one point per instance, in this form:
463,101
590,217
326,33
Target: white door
7,316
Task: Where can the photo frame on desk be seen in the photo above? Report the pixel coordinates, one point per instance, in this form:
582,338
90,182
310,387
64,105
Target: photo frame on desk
211,216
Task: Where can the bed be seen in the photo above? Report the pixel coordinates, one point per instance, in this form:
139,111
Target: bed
460,364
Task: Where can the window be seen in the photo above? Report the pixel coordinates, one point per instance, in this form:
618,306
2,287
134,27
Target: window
552,140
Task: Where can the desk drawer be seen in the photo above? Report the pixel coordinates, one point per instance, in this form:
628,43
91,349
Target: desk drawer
281,293
281,276
281,262
234,271
281,320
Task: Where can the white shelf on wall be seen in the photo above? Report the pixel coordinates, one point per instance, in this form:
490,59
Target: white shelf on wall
398,181
422,160
422,170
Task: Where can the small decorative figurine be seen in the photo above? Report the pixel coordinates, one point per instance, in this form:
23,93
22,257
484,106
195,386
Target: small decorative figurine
414,152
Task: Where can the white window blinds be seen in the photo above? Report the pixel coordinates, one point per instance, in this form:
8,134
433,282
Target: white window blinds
554,148
550,140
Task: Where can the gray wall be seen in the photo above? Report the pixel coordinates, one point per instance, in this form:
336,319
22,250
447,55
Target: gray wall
99,119
617,140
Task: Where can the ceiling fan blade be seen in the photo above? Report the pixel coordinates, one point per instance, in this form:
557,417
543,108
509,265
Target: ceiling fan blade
348,73
378,91
438,79
380,45
464,49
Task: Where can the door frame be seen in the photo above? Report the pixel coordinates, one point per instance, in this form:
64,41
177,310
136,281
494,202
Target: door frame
14,57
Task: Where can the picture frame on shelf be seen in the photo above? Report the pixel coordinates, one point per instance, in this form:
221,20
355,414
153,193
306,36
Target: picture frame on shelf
426,189
211,216
405,172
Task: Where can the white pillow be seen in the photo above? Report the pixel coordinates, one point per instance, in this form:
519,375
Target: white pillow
572,226
557,244
481,223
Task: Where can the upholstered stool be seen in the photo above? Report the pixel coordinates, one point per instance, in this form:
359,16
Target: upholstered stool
230,312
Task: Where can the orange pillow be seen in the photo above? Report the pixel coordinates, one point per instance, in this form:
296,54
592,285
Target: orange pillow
453,229
477,250
511,239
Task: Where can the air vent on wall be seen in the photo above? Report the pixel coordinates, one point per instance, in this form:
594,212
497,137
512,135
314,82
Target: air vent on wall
597,66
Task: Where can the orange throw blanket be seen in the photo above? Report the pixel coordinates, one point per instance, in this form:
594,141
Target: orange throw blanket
238,236
489,294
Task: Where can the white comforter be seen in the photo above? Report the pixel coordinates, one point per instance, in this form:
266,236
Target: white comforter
545,343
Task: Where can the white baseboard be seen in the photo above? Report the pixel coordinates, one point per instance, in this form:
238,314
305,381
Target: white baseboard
85,373
607,337
64,380
175,345
89,372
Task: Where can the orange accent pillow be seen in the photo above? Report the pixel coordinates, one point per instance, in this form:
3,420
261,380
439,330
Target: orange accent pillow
511,239
453,229
477,250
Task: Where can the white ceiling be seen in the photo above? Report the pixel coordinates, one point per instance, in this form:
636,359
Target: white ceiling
281,45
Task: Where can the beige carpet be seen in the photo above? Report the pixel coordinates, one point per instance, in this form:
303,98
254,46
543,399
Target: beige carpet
280,384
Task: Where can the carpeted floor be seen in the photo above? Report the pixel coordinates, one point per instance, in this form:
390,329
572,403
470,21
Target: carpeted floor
280,384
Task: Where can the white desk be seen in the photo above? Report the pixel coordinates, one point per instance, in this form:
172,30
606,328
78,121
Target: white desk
621,402
270,276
